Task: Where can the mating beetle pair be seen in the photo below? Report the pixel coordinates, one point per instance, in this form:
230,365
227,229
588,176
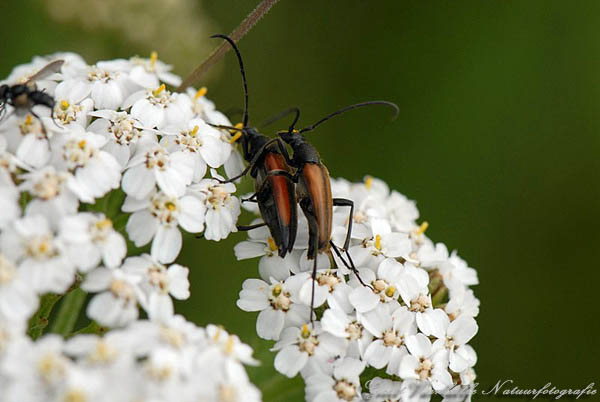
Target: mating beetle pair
282,181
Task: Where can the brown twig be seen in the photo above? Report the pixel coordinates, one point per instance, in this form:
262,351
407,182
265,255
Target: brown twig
236,35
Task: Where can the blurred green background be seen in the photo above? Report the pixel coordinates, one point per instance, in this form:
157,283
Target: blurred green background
498,140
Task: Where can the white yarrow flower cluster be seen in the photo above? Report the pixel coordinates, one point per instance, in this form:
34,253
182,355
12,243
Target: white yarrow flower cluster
67,184
412,322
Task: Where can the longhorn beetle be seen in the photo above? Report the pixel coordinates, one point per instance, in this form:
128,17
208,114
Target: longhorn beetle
274,192
313,189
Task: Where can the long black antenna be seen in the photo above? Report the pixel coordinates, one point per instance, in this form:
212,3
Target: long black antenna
347,108
281,115
239,56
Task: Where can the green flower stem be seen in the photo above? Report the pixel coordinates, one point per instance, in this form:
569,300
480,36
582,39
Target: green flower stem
236,35
39,321
69,312
439,296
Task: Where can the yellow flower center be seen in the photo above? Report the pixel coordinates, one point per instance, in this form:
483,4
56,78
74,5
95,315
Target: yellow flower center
102,353
158,90
75,395
345,390
153,58
422,228
217,334
104,224
305,333
201,92
227,393
272,244
229,345
172,336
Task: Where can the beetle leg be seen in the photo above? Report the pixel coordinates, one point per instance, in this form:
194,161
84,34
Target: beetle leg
313,240
312,293
284,152
250,227
241,228
54,119
252,162
350,265
343,202
5,115
41,123
275,172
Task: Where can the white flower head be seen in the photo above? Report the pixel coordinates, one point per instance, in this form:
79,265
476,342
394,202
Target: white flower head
159,283
91,238
116,305
17,298
157,218
9,199
222,208
202,141
94,171
106,83
277,310
122,131
342,385
71,105
41,255
28,139
159,108
382,244
148,72
261,244
51,195
306,349
153,164
424,363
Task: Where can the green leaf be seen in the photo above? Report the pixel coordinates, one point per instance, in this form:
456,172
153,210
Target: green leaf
39,321
69,312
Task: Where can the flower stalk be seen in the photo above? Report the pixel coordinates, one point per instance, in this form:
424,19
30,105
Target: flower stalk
256,15
69,312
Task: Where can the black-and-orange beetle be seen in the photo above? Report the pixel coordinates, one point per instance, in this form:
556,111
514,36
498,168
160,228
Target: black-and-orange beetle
274,189
281,181
313,191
